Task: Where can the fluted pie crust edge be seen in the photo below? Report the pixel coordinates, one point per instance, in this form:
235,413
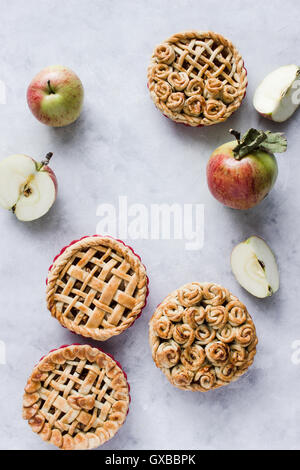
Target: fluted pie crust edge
220,106
202,337
77,397
113,297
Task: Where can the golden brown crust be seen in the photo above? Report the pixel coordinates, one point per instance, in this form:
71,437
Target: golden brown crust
97,287
77,397
197,64
202,337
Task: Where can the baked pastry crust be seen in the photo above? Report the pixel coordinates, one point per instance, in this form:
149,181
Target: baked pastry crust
202,337
77,397
197,78
97,287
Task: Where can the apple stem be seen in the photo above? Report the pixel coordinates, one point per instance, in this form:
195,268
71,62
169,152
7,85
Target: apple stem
50,88
236,134
46,161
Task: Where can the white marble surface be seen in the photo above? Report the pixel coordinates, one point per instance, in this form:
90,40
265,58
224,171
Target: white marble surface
121,145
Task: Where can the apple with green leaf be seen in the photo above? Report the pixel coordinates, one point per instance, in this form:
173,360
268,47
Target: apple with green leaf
241,173
55,96
27,188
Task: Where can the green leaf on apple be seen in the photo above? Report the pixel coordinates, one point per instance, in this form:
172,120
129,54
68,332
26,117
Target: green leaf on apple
259,140
275,142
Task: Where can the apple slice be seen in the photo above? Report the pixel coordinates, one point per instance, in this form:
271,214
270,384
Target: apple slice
276,97
27,188
255,267
37,199
14,172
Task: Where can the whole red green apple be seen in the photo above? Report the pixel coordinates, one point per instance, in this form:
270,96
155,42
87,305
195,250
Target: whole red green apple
55,96
240,174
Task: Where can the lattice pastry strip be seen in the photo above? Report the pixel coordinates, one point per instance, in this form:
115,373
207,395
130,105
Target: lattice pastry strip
97,287
202,337
179,78
76,398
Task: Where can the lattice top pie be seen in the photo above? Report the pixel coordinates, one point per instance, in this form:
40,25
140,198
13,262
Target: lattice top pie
97,287
202,337
197,78
77,397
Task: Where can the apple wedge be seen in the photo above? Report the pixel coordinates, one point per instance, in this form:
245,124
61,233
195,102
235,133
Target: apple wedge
27,188
276,98
255,267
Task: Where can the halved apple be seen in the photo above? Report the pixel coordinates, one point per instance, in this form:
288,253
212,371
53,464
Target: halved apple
255,268
276,97
27,188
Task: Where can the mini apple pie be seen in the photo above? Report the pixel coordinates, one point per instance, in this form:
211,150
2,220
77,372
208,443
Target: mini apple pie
202,337
77,397
197,78
97,287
